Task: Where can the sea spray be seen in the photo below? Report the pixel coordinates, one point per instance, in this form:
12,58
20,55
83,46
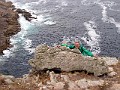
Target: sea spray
94,39
106,18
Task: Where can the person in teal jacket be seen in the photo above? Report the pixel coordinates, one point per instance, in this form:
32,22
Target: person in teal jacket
82,49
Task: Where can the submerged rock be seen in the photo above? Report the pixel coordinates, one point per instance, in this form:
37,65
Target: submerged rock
26,14
67,60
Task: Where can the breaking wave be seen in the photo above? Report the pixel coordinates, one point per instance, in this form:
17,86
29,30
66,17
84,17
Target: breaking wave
105,17
93,38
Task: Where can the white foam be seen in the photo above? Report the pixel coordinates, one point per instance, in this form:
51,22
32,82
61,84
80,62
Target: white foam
28,43
89,2
18,38
46,19
104,5
30,50
27,6
50,23
40,18
25,26
6,53
94,39
83,2
43,1
27,46
24,23
64,3
13,41
105,17
21,36
117,24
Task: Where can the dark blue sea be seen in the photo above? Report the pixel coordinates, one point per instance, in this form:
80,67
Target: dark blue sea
96,23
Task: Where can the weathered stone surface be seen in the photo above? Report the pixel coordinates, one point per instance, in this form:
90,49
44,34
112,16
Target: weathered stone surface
85,83
53,57
115,87
6,79
59,86
73,86
64,82
8,23
111,74
109,60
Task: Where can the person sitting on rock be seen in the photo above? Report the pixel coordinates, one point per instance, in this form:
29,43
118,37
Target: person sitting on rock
81,48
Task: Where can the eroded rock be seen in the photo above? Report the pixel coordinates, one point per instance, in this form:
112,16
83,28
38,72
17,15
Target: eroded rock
53,57
115,87
8,24
26,14
7,79
85,83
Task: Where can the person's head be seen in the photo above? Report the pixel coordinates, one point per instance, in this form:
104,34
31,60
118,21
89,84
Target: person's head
77,44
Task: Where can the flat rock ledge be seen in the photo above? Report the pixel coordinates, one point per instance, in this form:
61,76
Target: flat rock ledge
68,60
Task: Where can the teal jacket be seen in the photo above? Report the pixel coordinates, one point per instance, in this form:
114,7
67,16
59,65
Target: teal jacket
82,49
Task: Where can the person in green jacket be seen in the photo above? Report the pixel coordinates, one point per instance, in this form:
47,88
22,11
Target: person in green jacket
82,49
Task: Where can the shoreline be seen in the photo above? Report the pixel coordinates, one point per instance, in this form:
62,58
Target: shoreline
40,78
8,23
49,80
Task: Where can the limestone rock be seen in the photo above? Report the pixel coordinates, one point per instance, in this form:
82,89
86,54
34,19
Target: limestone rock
112,74
111,69
73,86
7,79
65,78
85,83
115,87
59,86
53,78
109,60
65,59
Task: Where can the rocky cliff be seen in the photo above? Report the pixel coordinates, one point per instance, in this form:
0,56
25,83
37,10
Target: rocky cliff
47,59
77,72
8,23
66,60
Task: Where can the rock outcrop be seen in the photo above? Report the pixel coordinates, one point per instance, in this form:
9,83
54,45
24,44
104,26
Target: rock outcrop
26,14
8,24
67,60
64,82
49,80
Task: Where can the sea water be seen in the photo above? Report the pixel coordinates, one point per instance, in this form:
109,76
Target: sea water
96,23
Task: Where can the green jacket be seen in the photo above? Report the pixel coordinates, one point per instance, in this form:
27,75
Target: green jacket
82,49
